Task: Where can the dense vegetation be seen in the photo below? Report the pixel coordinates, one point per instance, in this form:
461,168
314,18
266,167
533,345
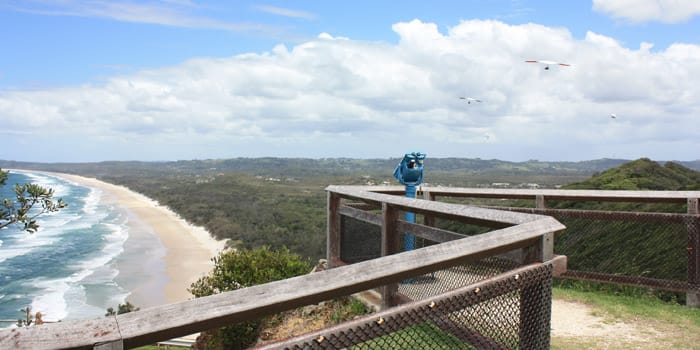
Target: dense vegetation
643,174
281,202
236,269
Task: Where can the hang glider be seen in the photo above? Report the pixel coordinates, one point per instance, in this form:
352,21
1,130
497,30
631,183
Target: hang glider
469,99
548,63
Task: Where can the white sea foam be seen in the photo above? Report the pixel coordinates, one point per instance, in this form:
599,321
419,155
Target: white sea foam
51,300
114,245
58,185
57,294
92,201
89,288
9,253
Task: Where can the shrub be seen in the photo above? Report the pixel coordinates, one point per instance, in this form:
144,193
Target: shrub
235,269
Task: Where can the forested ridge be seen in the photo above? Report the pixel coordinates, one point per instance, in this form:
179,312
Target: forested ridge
643,174
282,202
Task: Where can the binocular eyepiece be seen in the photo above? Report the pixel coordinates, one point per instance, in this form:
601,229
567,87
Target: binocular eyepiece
410,170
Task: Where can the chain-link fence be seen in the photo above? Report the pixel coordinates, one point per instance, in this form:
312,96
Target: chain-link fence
506,311
498,301
654,250
641,241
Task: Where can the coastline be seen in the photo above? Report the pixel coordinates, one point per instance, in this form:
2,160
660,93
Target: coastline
188,248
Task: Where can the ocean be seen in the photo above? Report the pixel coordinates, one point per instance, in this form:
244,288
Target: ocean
83,259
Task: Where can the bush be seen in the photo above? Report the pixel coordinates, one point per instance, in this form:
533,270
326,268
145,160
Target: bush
235,269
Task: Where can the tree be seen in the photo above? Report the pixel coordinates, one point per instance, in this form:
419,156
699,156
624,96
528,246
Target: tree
27,196
235,269
121,309
29,319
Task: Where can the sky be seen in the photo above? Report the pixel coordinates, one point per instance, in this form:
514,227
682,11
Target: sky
87,81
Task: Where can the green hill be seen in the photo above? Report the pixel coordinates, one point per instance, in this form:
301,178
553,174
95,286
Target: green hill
645,248
643,174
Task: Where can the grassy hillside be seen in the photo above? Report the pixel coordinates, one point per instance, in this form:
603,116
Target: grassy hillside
654,249
643,174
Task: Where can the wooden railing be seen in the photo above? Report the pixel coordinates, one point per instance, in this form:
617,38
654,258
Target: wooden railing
688,221
150,325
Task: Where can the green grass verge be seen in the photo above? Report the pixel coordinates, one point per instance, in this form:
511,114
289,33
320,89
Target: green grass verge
421,336
633,306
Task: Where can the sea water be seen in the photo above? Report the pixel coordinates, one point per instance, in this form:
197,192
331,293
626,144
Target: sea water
70,267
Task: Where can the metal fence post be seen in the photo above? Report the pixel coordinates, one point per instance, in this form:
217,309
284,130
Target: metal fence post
390,245
692,298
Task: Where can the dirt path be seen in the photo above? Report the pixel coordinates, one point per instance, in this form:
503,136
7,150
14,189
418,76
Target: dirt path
579,326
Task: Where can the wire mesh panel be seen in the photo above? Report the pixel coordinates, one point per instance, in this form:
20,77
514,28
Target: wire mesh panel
442,281
360,240
643,249
646,249
693,251
508,311
650,249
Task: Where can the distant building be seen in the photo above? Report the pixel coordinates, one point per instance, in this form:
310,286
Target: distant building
500,184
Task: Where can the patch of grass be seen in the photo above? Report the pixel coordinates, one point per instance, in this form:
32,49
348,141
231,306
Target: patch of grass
421,336
631,307
347,309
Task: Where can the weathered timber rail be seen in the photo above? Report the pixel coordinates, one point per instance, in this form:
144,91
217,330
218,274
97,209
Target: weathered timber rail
527,293
683,228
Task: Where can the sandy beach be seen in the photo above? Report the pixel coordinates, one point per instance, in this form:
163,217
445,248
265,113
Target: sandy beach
189,248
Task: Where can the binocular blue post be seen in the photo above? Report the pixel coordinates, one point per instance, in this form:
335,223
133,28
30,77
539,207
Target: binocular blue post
409,239
409,172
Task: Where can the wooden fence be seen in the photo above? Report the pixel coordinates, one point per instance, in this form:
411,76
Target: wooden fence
148,326
688,221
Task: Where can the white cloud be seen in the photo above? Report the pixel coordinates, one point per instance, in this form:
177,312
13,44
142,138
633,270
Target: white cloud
281,11
669,11
326,98
167,13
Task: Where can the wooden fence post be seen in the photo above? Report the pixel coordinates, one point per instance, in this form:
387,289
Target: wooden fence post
333,231
390,245
539,202
428,220
544,250
692,298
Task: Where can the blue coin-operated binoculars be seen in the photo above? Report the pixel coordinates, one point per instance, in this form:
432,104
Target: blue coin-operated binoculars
410,173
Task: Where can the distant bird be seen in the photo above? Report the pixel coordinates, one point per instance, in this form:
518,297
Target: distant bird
469,99
613,115
548,63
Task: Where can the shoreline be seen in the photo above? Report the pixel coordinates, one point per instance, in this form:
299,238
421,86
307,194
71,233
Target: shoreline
188,248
